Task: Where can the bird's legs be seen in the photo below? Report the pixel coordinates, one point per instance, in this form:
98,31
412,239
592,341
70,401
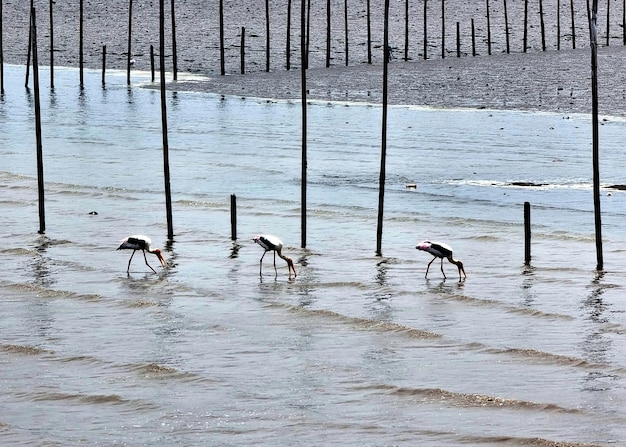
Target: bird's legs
444,275
261,264
276,271
426,275
131,258
146,259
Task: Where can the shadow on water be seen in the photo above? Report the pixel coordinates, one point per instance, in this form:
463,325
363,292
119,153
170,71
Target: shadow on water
596,345
40,264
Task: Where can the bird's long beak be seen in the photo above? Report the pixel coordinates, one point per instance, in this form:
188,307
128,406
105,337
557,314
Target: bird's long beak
161,259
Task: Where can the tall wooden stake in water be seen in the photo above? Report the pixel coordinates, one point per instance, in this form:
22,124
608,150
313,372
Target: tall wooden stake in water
288,44
527,233
130,33
80,44
222,61
383,152
40,183
174,53
369,33
303,58
1,54
51,46
30,46
267,35
166,158
594,103
327,33
345,11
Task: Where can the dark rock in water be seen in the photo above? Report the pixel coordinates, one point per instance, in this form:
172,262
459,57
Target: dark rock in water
93,213
618,187
527,184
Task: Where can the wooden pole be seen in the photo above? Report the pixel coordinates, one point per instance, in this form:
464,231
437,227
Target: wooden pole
174,52
222,60
525,43
104,63
488,29
327,33
130,33
243,50
527,234
80,44
40,182
369,34
51,44
571,3
233,217
308,33
1,52
383,152
267,35
473,39
345,10
458,40
303,56
30,45
595,137
288,46
166,161
152,63
623,22
558,24
425,29
608,22
506,29
443,29
406,30
543,26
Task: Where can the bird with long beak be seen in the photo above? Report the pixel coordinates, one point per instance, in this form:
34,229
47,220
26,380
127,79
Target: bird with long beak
441,251
143,243
271,243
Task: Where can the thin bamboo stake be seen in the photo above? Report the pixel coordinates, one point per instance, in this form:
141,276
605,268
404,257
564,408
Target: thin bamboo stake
304,56
383,152
327,33
1,53
130,33
174,52
425,29
369,33
488,29
288,45
104,63
595,137
30,46
345,10
166,161
222,60
80,45
40,172
267,35
51,44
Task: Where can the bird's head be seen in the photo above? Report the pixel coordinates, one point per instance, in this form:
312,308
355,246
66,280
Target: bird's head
291,267
459,264
159,255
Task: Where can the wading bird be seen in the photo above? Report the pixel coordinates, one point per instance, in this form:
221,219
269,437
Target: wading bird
272,243
441,251
141,242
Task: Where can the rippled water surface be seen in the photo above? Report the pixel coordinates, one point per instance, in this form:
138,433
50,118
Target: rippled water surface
358,349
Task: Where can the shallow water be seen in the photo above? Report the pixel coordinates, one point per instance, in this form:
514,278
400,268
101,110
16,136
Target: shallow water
358,349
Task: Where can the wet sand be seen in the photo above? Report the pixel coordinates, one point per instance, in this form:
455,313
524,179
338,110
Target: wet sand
550,80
